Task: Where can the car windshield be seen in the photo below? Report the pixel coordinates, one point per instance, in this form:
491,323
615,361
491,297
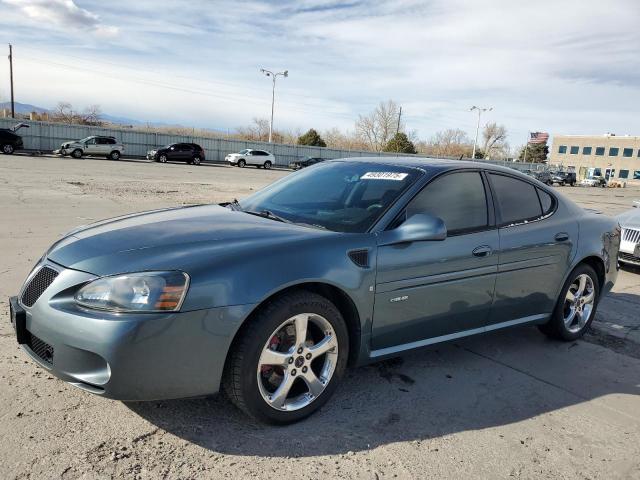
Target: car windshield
85,140
338,196
244,152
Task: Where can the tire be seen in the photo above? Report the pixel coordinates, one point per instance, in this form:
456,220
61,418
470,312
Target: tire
162,158
196,160
7,149
252,383
115,155
241,163
77,153
267,165
559,326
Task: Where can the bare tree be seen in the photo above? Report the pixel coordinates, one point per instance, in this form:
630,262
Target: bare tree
91,115
63,112
494,136
377,127
452,142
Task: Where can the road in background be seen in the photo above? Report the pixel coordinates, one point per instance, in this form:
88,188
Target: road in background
509,404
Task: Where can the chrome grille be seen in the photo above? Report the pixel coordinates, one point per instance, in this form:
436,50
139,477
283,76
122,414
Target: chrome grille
37,285
630,235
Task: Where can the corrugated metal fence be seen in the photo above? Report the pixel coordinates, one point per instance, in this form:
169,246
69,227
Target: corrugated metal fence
47,136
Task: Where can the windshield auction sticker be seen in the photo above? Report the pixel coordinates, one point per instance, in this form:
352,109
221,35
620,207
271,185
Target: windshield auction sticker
384,176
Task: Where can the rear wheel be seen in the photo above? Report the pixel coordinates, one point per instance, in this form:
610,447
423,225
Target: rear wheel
267,165
115,155
196,160
7,149
576,306
289,359
241,163
77,153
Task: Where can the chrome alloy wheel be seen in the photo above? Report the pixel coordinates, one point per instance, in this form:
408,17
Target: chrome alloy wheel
297,362
579,303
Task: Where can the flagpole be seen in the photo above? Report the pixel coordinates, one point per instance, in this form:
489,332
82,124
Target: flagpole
526,148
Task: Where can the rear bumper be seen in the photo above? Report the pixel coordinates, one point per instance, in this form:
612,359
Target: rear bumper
129,356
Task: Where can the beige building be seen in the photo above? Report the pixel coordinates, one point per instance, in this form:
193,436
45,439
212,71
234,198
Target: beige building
610,156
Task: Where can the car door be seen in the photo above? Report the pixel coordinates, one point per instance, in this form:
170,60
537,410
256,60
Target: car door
535,250
90,147
426,291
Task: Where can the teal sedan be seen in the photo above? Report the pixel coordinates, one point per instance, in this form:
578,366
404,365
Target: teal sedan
340,264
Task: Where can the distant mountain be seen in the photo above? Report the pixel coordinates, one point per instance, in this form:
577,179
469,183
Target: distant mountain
23,108
26,109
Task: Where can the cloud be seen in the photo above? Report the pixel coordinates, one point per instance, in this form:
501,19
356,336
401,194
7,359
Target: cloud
63,14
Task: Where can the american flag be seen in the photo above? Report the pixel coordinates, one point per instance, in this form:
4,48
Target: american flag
538,137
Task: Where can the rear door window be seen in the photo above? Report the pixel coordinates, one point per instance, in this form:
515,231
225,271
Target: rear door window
518,201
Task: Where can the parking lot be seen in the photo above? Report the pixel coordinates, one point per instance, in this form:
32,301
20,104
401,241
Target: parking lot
509,404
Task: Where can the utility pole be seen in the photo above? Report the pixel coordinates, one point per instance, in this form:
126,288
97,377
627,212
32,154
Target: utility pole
480,111
398,130
13,110
273,76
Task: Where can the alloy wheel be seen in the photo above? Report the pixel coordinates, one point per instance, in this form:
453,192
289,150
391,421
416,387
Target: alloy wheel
579,303
297,362
8,149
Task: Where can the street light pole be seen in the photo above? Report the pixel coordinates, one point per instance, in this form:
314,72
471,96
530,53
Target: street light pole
273,76
475,142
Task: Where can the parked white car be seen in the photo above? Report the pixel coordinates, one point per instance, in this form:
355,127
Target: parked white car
630,236
594,182
249,156
95,145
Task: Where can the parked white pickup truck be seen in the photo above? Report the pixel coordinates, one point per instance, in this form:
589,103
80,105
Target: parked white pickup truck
96,145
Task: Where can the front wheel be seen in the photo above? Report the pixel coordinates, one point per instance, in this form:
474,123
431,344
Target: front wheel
77,153
576,306
288,359
241,163
162,158
7,149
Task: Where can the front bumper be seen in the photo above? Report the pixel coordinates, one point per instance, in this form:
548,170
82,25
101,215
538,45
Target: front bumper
128,356
61,151
152,156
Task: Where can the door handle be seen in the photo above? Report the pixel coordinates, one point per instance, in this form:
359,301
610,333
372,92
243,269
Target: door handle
562,237
482,251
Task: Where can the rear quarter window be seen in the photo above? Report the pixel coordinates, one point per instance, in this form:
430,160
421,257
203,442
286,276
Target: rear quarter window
517,200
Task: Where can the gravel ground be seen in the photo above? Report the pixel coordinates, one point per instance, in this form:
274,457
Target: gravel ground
510,404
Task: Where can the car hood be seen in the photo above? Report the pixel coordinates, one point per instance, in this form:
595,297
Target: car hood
181,239
630,218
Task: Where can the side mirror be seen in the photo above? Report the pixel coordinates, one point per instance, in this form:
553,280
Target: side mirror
419,227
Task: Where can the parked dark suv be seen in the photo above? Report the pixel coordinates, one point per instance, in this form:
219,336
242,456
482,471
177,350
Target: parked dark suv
564,178
10,141
191,153
304,162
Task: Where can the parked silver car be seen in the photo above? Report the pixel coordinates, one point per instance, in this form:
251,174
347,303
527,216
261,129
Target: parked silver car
249,156
630,238
94,145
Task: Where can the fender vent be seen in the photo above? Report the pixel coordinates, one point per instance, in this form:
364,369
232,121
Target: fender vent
360,257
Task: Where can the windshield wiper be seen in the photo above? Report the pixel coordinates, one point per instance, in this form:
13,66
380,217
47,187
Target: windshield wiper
268,214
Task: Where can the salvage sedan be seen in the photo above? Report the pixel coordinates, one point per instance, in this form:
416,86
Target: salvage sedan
343,263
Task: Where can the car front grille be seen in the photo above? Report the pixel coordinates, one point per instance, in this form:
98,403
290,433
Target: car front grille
629,257
630,235
37,285
41,348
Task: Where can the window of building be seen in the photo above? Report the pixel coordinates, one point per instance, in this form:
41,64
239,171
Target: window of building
600,151
574,150
586,150
597,172
623,174
517,200
468,209
562,149
613,151
627,152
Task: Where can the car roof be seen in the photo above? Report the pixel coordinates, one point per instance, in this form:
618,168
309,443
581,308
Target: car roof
427,163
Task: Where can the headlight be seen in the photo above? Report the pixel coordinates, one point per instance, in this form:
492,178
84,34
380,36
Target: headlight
136,292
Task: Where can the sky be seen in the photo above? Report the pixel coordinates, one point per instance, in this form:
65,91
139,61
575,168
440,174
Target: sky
561,66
